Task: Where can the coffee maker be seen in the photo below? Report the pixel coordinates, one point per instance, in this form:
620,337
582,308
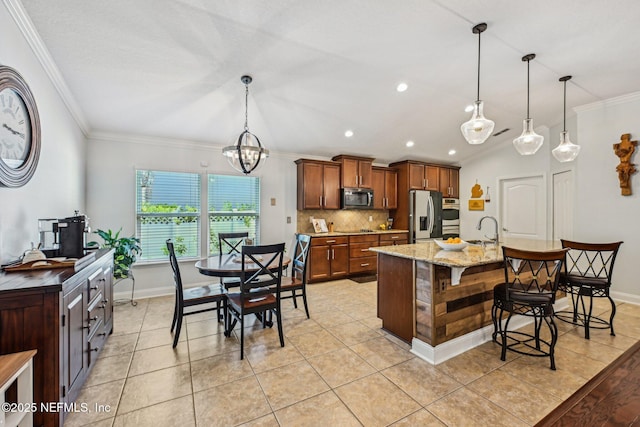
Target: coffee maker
66,237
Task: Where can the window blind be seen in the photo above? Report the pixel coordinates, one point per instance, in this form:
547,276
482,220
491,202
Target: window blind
168,207
234,206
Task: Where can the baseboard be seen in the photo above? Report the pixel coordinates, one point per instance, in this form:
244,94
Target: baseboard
456,346
624,297
143,293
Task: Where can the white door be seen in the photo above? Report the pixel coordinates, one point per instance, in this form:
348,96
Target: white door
523,207
563,205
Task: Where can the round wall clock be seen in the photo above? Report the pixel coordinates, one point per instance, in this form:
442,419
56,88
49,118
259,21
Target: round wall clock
19,130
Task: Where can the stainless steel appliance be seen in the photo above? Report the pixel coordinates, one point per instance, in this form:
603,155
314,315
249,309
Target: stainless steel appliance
450,218
64,237
356,198
425,215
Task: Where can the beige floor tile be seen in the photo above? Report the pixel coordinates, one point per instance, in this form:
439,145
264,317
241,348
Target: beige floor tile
101,403
128,323
372,322
628,309
157,320
155,387
299,325
200,317
177,412
201,348
231,404
315,343
322,410
421,380
471,365
603,336
507,392
422,418
352,333
335,317
157,338
119,344
220,369
578,364
560,383
381,353
463,407
203,328
595,350
268,420
627,325
109,369
376,401
156,358
289,384
341,366
265,357
362,311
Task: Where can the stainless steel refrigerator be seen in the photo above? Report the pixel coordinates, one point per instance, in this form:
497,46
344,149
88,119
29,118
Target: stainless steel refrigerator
425,215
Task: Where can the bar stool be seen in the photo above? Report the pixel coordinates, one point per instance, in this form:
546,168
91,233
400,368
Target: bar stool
529,289
588,270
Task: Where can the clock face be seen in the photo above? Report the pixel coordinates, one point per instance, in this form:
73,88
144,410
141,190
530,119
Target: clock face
15,129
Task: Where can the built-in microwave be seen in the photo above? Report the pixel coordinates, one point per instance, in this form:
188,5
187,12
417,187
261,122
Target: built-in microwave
356,198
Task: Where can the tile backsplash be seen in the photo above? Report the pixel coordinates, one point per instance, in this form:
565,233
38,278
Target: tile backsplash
343,220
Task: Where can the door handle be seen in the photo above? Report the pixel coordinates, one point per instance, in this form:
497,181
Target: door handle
328,255
333,254
504,229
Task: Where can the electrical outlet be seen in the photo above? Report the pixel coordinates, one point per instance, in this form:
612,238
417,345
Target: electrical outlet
370,218
288,220
273,201
311,219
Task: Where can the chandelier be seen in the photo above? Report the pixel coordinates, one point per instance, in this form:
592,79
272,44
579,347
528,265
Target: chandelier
248,153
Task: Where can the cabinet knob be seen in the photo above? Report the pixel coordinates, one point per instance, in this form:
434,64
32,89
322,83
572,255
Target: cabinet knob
95,349
364,265
105,301
93,288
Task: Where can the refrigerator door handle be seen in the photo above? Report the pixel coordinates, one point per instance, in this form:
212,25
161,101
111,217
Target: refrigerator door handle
430,214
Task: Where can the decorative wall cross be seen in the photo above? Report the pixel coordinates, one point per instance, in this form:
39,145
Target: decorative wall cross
624,150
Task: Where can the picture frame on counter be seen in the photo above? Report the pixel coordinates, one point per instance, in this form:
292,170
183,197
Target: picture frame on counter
319,225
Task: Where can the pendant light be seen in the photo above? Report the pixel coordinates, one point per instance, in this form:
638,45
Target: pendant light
566,151
478,128
529,142
248,153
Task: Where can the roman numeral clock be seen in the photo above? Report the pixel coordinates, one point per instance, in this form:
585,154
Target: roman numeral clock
19,130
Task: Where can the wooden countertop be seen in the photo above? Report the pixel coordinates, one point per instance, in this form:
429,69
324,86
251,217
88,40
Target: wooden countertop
354,233
50,279
470,256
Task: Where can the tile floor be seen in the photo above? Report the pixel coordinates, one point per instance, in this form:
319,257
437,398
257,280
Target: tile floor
337,369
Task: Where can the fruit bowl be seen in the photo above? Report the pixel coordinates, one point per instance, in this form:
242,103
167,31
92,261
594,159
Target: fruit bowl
451,246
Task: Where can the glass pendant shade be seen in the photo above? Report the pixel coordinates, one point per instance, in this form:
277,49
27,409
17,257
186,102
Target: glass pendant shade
248,153
529,141
478,128
566,151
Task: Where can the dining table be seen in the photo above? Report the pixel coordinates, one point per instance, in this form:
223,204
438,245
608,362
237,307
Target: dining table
230,265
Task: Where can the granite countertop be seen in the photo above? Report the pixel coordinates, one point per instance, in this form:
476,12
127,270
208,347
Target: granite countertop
353,233
470,256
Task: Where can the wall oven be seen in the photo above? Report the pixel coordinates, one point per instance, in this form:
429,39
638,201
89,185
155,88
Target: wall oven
357,198
450,218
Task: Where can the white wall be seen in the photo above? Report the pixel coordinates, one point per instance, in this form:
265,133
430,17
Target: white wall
57,188
112,161
602,214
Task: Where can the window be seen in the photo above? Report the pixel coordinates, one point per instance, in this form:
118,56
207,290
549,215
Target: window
167,207
234,206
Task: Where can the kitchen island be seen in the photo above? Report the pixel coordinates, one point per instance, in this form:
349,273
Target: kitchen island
438,300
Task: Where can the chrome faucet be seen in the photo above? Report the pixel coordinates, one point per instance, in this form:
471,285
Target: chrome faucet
494,239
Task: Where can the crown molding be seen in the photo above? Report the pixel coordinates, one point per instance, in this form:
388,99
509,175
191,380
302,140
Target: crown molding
24,23
622,99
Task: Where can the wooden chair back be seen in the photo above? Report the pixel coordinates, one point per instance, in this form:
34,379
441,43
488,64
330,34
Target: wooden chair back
261,270
531,272
230,243
177,278
299,257
593,260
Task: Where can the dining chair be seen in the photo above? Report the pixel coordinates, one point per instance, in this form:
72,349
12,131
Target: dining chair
587,274
190,297
529,289
231,243
260,282
297,282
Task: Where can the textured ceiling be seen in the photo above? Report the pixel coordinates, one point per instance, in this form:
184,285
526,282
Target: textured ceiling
172,68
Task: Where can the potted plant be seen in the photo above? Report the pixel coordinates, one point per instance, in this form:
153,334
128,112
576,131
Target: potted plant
126,251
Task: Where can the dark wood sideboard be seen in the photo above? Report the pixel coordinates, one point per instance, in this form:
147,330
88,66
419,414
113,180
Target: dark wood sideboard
67,316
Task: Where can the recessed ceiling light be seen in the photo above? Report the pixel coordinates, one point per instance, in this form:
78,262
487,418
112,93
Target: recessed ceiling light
402,87
452,152
468,108
410,144
348,133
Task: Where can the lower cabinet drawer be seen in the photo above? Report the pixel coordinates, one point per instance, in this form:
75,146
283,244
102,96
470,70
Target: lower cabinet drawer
361,265
359,250
95,315
95,343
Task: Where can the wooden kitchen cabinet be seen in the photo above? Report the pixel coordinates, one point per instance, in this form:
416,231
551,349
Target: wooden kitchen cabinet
361,259
423,176
67,316
356,172
328,258
318,184
450,182
391,239
385,188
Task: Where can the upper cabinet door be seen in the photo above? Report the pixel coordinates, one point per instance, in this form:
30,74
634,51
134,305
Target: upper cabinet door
416,177
431,178
449,182
350,173
310,192
331,183
391,189
378,181
364,170
356,171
